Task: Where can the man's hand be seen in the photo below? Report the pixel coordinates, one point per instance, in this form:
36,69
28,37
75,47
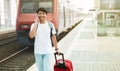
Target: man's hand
37,20
57,51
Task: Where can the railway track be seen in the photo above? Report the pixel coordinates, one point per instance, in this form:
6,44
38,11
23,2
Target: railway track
10,37
16,57
13,55
20,61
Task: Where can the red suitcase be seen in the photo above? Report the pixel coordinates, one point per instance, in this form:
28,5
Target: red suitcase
62,64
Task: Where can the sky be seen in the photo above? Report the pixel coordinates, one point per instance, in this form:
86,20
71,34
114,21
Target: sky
86,4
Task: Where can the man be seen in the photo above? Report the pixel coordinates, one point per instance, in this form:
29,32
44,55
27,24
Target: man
43,47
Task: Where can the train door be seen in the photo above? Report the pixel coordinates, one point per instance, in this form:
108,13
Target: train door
62,16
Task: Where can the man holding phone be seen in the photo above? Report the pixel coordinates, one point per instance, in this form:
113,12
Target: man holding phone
42,45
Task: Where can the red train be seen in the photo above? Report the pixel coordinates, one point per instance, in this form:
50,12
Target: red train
60,12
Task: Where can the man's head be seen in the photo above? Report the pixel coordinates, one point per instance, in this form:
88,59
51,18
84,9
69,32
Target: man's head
42,9
42,13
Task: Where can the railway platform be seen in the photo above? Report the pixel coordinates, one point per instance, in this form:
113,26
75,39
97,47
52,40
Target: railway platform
89,52
5,29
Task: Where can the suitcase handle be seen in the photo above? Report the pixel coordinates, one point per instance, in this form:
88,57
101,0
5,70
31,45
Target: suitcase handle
62,57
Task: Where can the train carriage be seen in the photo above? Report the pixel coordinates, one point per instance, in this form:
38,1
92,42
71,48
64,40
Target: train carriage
62,16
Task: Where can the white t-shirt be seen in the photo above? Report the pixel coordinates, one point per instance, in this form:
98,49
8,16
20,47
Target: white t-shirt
42,44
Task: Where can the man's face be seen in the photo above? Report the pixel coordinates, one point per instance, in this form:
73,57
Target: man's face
42,15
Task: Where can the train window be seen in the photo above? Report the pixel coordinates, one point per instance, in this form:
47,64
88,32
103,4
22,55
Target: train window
48,4
28,6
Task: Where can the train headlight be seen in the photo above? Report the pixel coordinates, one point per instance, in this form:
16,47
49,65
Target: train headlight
25,26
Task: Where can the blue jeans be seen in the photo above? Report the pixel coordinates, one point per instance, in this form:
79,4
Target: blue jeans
44,62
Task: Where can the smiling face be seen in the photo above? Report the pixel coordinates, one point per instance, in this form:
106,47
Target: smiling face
42,15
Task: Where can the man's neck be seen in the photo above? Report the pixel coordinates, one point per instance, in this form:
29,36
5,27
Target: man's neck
42,21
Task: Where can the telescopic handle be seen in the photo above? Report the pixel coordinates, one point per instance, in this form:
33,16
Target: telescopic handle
59,54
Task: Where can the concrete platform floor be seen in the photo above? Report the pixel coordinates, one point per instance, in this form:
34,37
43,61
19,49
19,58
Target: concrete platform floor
89,52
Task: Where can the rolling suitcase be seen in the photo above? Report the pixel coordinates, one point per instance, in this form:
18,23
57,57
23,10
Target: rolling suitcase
62,64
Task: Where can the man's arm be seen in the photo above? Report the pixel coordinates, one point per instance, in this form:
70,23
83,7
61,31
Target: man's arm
33,31
54,40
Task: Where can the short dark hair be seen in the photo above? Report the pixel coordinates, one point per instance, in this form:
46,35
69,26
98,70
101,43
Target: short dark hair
42,9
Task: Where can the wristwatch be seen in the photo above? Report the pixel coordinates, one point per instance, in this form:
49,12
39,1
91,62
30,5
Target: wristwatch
56,49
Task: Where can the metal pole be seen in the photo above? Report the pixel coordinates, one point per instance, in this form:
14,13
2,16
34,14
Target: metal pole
64,16
69,17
